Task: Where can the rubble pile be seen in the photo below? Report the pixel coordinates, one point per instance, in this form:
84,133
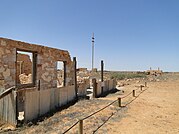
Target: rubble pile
25,79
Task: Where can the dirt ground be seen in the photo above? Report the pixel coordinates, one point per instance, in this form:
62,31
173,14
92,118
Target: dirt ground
155,110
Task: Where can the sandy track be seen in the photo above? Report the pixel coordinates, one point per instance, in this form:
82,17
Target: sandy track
155,111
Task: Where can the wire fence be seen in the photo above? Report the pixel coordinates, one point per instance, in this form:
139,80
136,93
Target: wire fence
89,116
126,95
135,97
100,110
117,100
71,127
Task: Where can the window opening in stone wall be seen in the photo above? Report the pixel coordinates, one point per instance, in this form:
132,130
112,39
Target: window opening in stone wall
60,74
25,76
24,68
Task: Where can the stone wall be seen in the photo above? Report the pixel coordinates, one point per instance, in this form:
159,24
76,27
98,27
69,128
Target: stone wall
83,86
7,64
46,63
107,86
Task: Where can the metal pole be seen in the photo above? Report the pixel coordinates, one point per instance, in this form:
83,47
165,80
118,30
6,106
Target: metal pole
92,51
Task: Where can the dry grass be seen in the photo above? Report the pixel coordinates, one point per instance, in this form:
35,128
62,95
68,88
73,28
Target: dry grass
154,111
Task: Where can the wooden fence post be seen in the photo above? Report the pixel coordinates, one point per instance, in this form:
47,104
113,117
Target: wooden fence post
141,87
145,84
80,131
119,102
94,88
133,93
39,85
75,77
102,70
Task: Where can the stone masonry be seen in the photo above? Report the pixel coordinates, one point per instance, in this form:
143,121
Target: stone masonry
46,63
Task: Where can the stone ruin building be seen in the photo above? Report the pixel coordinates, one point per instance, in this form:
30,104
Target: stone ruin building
29,76
36,79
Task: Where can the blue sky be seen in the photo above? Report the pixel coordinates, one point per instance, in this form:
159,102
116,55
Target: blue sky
129,34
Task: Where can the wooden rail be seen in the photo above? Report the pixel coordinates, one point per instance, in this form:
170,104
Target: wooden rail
6,92
119,100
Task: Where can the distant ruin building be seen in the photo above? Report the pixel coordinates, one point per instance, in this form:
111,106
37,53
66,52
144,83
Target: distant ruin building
95,70
154,72
82,69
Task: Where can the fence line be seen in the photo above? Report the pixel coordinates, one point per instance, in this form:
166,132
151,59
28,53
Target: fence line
104,122
135,97
117,111
126,95
71,127
99,110
89,116
105,108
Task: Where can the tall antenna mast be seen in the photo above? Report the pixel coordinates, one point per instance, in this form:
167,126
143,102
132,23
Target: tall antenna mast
92,51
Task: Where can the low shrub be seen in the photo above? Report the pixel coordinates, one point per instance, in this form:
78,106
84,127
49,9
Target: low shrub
121,76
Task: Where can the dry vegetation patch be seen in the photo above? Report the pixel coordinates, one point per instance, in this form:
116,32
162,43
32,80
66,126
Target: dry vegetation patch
155,111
